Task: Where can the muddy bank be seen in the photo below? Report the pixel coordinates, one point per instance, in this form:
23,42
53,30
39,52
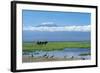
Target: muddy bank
27,59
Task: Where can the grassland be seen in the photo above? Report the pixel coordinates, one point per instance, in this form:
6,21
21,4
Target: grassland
85,54
32,46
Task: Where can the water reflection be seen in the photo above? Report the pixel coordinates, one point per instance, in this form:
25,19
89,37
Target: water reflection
82,53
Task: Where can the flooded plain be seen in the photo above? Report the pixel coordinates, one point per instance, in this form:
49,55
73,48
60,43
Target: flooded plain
57,55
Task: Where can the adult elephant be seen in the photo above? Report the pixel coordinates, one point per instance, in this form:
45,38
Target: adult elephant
42,42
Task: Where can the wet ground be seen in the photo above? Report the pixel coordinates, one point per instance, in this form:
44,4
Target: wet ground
67,54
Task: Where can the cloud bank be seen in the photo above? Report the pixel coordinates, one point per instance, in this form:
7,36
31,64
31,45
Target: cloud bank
85,28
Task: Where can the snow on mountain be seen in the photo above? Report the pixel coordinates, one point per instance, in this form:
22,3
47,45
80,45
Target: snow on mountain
47,24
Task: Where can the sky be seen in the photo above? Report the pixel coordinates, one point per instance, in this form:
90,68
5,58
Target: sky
78,24
65,21
34,18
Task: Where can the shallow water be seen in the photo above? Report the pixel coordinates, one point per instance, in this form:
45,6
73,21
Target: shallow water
67,52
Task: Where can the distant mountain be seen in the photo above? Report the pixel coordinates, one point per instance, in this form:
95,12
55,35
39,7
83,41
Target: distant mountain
47,25
56,36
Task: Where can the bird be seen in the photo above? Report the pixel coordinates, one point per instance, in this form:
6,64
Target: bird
65,57
52,56
72,57
45,55
32,55
83,58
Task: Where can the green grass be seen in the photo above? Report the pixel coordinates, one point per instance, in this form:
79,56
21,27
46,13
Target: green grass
32,46
85,54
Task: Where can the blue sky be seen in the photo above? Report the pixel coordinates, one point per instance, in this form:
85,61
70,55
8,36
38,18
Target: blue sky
73,26
35,18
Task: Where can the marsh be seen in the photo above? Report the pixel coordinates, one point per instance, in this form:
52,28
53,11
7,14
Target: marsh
56,51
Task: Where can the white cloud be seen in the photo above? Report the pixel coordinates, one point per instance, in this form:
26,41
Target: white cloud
84,28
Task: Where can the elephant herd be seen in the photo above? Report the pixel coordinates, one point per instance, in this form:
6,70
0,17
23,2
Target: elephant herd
41,42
